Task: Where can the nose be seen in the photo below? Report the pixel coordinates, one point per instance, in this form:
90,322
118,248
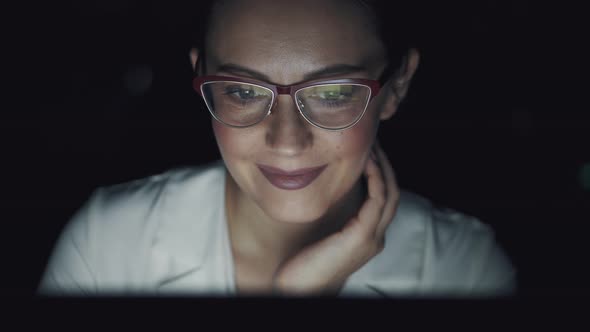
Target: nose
288,133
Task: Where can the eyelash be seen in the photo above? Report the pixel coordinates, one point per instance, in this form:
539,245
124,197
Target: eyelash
232,90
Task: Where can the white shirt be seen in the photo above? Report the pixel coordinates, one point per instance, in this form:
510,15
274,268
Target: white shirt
167,235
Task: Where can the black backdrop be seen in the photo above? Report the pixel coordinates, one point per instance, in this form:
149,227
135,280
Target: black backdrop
104,96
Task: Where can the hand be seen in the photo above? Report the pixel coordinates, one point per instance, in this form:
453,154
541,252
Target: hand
324,266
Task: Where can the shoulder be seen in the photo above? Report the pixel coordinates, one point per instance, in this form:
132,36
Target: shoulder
111,238
151,190
462,255
142,200
142,207
439,250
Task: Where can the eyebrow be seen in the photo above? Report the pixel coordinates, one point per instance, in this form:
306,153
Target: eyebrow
336,69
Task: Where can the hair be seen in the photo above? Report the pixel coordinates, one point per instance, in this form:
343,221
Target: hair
396,24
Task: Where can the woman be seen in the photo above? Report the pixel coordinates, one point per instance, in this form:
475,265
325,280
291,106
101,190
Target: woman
304,200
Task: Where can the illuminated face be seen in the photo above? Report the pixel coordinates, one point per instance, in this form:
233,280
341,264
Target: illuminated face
285,42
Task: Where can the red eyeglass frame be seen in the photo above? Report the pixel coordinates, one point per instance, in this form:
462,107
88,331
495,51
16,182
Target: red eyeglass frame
373,85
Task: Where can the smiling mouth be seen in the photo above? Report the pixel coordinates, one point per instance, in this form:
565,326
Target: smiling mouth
291,180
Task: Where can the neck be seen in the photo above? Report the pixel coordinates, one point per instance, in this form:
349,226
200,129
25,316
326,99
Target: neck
255,235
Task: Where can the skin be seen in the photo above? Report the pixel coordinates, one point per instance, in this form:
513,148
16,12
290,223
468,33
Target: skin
308,240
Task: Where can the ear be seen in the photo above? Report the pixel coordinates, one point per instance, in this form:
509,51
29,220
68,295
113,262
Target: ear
194,57
397,86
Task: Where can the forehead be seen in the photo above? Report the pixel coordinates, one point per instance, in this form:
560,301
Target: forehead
287,38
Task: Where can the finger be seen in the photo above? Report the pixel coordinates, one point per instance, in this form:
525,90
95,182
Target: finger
370,212
391,189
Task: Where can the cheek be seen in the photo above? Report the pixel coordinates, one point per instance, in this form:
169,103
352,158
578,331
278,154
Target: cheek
233,143
350,145
355,143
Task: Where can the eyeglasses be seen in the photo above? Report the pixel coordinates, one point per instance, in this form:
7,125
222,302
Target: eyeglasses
327,104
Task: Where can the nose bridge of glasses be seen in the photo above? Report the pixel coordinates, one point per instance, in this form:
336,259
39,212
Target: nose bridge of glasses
283,90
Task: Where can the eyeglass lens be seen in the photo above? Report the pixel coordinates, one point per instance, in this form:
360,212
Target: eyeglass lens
330,106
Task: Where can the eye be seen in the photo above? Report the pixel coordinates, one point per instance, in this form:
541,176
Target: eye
332,92
332,97
245,91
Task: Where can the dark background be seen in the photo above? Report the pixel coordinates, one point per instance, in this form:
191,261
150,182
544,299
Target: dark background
102,94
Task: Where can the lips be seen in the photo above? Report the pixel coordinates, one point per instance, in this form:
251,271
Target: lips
291,180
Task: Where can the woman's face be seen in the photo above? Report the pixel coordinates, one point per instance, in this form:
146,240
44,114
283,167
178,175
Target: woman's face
285,41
